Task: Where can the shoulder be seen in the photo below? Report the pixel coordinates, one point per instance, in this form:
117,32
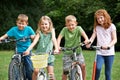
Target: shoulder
113,26
64,31
28,28
14,28
53,30
64,28
79,28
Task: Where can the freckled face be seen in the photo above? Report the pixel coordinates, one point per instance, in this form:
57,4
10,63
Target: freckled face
71,25
100,20
45,26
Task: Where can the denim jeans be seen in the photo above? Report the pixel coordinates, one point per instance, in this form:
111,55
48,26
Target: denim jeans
107,61
28,67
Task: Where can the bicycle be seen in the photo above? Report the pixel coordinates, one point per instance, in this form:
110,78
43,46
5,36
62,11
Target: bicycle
40,61
16,69
94,64
75,71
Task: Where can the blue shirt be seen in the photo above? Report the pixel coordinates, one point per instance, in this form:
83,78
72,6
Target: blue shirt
18,34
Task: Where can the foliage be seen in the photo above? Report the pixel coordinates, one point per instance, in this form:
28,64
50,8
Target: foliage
57,10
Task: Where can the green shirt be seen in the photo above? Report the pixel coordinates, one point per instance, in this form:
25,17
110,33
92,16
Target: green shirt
45,45
72,38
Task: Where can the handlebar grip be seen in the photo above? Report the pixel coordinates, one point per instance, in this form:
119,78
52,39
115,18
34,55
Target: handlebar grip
106,48
5,41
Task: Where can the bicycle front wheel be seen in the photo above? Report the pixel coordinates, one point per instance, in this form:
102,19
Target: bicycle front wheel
14,70
76,73
42,75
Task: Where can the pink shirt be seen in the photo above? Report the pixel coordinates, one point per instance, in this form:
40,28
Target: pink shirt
104,37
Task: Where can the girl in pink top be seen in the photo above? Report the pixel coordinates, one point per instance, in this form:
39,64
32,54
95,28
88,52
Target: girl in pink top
105,31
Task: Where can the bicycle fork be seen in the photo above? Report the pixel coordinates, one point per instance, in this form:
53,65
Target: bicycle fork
76,72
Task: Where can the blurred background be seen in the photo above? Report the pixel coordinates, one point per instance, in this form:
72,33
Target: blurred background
57,10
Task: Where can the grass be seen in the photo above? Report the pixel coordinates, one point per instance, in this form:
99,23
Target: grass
5,57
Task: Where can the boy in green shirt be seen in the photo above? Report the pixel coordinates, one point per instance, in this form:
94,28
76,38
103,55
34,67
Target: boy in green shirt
72,34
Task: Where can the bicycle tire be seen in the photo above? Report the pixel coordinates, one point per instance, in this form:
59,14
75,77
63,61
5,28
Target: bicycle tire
76,73
14,72
42,75
22,72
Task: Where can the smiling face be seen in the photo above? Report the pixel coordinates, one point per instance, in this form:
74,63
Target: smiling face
22,21
21,24
71,25
45,26
71,22
100,20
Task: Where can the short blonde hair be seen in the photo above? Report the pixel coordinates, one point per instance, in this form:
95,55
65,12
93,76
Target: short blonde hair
22,18
70,18
40,21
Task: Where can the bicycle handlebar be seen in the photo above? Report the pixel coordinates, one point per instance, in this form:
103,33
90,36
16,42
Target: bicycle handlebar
14,40
50,53
74,48
98,47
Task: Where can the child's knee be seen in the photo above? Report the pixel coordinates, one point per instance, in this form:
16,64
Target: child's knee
36,71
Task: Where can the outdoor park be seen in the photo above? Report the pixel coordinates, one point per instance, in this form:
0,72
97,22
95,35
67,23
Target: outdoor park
57,10
5,57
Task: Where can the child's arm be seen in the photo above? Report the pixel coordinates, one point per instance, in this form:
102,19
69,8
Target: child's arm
113,42
54,41
32,37
59,40
3,37
32,44
92,38
85,37
114,38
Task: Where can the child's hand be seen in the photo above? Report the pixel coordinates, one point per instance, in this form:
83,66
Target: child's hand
88,43
56,51
26,53
1,39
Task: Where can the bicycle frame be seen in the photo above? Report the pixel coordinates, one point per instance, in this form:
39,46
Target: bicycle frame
75,66
16,66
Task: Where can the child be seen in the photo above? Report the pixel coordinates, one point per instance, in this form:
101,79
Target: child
72,34
45,34
18,32
105,31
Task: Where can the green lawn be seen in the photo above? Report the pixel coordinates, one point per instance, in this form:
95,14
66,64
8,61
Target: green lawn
5,57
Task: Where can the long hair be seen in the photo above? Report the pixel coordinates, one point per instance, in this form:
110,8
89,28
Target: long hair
39,24
107,21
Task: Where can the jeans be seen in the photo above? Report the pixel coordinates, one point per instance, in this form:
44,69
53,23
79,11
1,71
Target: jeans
107,61
28,67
